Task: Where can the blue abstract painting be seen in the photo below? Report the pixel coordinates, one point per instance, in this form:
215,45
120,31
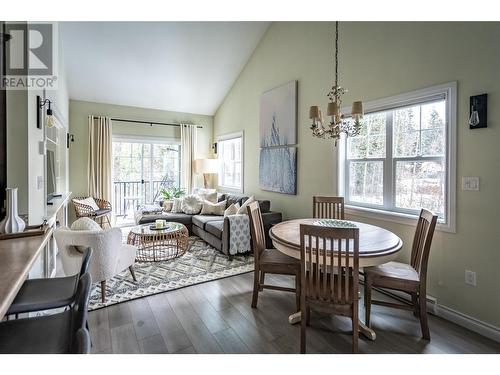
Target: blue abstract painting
278,116
278,169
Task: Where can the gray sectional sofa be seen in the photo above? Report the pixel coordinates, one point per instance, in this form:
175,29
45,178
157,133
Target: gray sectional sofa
214,229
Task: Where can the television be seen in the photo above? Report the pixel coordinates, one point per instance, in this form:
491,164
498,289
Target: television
51,175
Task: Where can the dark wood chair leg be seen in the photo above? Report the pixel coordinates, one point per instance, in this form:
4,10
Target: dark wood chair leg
131,269
297,291
423,316
256,287
308,316
355,329
414,301
368,301
103,291
262,280
303,334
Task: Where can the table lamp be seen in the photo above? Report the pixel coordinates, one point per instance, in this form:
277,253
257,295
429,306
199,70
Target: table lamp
206,167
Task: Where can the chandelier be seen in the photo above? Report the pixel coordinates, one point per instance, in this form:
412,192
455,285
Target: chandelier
338,122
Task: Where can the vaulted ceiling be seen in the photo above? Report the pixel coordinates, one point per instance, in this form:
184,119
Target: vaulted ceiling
174,66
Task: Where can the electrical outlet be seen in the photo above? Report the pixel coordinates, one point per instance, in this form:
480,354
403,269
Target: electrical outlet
470,278
470,183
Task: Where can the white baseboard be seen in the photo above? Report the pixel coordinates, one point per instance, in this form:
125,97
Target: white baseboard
484,329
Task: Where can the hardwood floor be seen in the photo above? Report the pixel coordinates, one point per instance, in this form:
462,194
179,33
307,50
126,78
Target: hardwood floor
216,317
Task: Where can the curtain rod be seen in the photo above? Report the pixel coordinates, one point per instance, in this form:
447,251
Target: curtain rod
151,123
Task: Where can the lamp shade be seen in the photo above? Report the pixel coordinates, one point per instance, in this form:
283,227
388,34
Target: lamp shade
314,112
357,108
206,166
332,109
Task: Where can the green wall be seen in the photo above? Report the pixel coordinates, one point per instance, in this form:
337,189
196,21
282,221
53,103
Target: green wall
379,60
78,125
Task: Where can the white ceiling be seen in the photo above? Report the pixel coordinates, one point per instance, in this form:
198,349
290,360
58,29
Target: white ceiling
174,66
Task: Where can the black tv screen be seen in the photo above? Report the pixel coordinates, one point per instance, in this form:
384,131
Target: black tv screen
51,174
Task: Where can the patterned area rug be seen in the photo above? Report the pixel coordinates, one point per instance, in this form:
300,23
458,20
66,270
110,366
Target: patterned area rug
199,264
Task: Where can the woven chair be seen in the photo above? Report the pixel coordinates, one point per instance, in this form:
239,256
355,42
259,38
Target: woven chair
100,216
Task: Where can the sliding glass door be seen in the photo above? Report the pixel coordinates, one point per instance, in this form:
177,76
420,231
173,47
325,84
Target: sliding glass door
140,168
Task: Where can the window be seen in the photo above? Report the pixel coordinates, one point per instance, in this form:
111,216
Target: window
230,155
141,166
404,157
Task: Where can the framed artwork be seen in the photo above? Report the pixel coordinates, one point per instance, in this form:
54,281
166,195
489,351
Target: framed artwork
278,116
278,135
278,169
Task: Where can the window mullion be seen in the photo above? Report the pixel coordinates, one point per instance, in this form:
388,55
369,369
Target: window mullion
388,163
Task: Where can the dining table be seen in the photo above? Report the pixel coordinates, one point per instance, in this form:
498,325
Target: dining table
376,246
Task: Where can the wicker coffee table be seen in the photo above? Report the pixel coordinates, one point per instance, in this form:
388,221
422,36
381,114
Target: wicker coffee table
159,245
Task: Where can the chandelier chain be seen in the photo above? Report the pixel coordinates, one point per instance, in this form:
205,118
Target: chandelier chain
336,52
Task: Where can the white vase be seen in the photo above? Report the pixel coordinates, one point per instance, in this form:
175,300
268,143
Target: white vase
12,222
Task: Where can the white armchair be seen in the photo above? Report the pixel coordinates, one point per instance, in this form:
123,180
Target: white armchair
109,257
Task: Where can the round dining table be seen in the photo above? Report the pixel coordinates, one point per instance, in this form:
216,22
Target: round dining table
376,246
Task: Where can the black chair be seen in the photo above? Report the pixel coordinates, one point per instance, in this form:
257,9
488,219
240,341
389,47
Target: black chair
51,334
48,293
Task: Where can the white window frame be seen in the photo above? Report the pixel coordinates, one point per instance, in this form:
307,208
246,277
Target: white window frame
449,90
227,137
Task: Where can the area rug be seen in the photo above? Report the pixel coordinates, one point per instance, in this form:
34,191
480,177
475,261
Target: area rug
199,264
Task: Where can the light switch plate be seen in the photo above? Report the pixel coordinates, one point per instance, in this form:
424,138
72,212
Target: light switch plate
470,183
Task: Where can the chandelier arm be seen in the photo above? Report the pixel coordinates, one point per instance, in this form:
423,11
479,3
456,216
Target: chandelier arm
336,53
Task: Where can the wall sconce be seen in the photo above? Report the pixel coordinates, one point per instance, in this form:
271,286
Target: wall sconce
50,119
69,138
478,111
214,147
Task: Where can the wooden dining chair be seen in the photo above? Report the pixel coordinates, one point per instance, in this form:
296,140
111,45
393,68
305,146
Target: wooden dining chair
326,288
328,207
269,260
408,278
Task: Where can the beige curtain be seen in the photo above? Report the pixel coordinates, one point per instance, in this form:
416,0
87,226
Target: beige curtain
100,156
188,149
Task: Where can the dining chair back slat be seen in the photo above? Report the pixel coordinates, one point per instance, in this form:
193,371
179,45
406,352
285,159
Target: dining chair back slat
328,207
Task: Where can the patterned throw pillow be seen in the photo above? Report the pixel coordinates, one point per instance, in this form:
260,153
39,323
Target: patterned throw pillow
89,202
210,208
191,204
232,209
177,205
243,208
211,197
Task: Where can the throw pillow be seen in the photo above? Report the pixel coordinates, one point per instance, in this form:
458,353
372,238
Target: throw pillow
243,208
149,209
232,209
89,202
85,223
210,208
167,205
191,204
177,205
211,197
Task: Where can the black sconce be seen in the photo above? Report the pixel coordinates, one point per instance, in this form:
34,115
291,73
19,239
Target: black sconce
50,116
69,138
214,147
478,111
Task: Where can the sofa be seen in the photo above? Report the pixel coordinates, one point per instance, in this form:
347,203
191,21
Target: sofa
213,229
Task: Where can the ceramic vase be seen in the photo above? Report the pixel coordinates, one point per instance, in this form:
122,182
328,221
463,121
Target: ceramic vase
12,222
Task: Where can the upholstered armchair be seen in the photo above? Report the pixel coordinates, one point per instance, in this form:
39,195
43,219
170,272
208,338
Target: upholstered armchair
95,208
109,257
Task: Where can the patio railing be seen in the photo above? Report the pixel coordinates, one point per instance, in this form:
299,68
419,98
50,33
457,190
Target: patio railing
129,194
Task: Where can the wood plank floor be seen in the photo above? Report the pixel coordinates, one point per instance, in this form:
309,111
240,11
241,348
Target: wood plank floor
216,317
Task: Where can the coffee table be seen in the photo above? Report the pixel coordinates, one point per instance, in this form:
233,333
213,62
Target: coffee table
159,245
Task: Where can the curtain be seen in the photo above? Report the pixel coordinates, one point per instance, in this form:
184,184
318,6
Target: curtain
100,157
188,149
